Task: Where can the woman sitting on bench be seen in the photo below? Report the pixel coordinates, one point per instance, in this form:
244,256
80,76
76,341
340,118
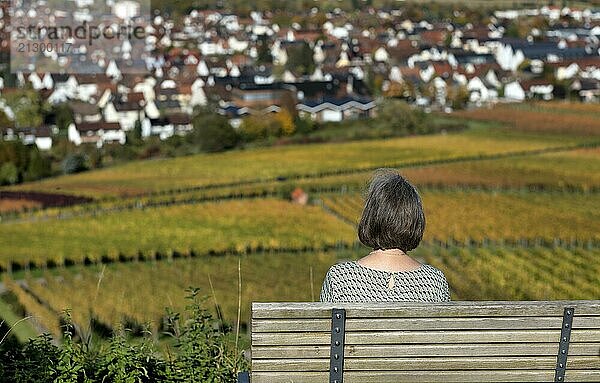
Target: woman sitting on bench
392,224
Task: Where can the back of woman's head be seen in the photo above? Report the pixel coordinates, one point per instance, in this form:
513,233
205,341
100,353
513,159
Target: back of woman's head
393,216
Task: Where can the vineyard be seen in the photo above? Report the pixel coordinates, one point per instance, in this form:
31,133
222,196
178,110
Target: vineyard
9,205
295,161
512,213
182,230
576,170
569,170
119,293
466,216
540,119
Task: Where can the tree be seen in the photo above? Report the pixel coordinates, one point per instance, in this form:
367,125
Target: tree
94,157
305,125
300,59
63,116
288,102
16,153
373,80
458,97
9,174
263,51
268,125
27,106
286,121
213,133
253,128
39,166
398,117
4,121
134,137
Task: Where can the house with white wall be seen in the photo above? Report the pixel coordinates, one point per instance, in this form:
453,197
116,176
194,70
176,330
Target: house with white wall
97,133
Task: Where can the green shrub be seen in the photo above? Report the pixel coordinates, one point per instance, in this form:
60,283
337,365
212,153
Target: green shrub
9,174
202,354
74,163
212,132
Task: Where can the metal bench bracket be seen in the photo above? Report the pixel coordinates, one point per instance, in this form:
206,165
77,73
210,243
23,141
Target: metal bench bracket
243,377
336,356
563,347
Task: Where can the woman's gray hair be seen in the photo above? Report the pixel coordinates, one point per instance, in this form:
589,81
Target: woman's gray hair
393,216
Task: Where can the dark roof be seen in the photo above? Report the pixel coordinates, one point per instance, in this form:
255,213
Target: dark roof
59,77
232,111
175,119
251,71
535,52
337,101
586,84
253,86
313,89
167,104
179,119
42,131
92,78
126,106
541,49
473,58
95,126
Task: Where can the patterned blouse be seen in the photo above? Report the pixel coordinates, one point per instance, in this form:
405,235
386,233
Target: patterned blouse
353,282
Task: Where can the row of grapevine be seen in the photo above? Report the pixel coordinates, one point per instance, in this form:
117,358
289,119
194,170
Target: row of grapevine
295,161
470,216
521,274
562,107
569,171
44,318
538,121
139,293
239,226
167,232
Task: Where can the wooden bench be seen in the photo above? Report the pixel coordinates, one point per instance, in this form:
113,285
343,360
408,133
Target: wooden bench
532,341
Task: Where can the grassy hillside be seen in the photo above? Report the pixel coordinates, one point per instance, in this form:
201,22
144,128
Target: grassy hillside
295,160
512,213
138,293
232,226
485,216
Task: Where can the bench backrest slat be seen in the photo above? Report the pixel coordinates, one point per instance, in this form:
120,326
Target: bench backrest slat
446,342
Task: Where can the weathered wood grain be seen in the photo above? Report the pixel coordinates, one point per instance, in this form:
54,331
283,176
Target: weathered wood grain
423,342
424,310
424,337
409,324
428,376
421,350
434,364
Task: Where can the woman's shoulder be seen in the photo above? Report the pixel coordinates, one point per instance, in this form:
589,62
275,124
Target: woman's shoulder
433,271
341,267
342,270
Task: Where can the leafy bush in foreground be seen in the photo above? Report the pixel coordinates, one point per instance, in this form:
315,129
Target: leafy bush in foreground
201,354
